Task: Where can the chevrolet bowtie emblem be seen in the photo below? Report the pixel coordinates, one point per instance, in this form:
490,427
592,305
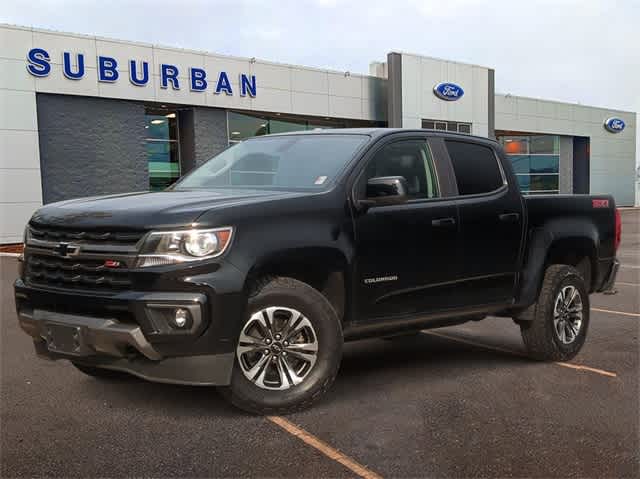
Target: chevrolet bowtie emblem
66,250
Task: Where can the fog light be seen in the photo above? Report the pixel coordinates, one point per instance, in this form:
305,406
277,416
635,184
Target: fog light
181,318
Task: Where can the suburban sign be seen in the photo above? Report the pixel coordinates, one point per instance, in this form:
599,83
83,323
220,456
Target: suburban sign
614,125
108,71
448,91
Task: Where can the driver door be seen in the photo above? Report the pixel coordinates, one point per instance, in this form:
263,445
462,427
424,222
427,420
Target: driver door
407,254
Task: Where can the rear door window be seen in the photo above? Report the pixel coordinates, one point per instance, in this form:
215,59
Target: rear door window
476,167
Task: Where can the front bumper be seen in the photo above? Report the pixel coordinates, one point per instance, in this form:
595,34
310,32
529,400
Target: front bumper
82,336
110,344
130,331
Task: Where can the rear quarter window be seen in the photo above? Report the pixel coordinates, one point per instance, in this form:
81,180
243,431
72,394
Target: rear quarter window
475,166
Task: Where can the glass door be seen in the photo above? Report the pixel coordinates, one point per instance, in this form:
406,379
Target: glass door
163,148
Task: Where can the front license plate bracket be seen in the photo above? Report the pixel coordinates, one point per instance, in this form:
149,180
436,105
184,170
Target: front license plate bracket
64,339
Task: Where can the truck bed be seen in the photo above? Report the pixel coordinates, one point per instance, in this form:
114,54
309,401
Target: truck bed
573,219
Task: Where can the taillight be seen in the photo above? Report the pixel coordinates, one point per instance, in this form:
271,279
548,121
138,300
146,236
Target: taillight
618,237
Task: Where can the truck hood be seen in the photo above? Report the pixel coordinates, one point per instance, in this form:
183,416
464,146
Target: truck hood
146,210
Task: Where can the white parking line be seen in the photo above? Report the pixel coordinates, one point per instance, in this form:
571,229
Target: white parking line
587,368
579,367
624,313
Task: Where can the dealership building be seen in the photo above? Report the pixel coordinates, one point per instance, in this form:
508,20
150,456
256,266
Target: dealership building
83,116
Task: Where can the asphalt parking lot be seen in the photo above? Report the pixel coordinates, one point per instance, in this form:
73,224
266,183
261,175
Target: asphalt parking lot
454,402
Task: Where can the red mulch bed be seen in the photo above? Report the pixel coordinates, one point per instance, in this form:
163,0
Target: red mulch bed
11,248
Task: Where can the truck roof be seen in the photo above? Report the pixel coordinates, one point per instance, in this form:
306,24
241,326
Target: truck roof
379,132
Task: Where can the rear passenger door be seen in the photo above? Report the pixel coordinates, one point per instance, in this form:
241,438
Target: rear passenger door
491,223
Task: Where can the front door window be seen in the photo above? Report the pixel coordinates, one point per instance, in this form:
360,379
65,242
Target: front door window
410,159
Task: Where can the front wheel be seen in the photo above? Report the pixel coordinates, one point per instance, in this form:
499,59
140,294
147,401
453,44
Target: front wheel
555,327
288,351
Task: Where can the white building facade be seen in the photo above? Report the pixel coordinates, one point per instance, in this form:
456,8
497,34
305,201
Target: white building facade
83,116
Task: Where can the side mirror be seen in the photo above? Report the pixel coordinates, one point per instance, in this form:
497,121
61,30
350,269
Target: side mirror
386,190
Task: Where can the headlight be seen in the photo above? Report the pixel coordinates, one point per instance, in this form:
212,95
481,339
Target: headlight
173,247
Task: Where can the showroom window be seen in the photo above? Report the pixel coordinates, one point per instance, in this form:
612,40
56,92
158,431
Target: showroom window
163,149
454,126
243,126
535,160
247,125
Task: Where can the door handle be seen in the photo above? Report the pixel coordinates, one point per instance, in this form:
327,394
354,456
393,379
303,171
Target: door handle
443,222
509,217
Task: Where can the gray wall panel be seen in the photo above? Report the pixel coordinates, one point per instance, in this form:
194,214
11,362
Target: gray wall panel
566,165
210,132
90,146
187,141
394,90
491,81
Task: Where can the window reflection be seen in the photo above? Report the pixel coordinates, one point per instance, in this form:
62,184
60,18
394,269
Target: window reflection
274,162
245,125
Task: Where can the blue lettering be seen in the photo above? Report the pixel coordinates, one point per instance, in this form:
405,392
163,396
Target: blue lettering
169,73
133,73
247,85
198,82
107,69
224,84
67,70
39,65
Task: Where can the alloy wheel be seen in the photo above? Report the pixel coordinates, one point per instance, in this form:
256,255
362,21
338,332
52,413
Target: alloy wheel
277,348
567,314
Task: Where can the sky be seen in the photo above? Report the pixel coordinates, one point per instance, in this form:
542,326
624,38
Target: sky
581,51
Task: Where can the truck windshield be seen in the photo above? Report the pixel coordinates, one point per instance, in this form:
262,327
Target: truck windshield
296,162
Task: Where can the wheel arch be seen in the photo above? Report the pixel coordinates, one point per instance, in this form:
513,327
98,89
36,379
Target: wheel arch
571,241
326,269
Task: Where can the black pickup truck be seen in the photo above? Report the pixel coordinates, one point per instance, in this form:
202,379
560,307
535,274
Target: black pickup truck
252,271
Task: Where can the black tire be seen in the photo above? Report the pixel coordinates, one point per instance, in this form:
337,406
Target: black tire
291,293
537,322
99,373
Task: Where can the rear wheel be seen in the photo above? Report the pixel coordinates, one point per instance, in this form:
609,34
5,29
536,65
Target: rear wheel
555,327
288,350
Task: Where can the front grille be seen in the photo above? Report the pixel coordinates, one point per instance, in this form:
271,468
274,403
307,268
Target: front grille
76,259
75,273
48,233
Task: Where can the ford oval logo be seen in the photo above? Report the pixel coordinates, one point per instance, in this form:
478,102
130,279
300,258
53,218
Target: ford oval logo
614,125
448,91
